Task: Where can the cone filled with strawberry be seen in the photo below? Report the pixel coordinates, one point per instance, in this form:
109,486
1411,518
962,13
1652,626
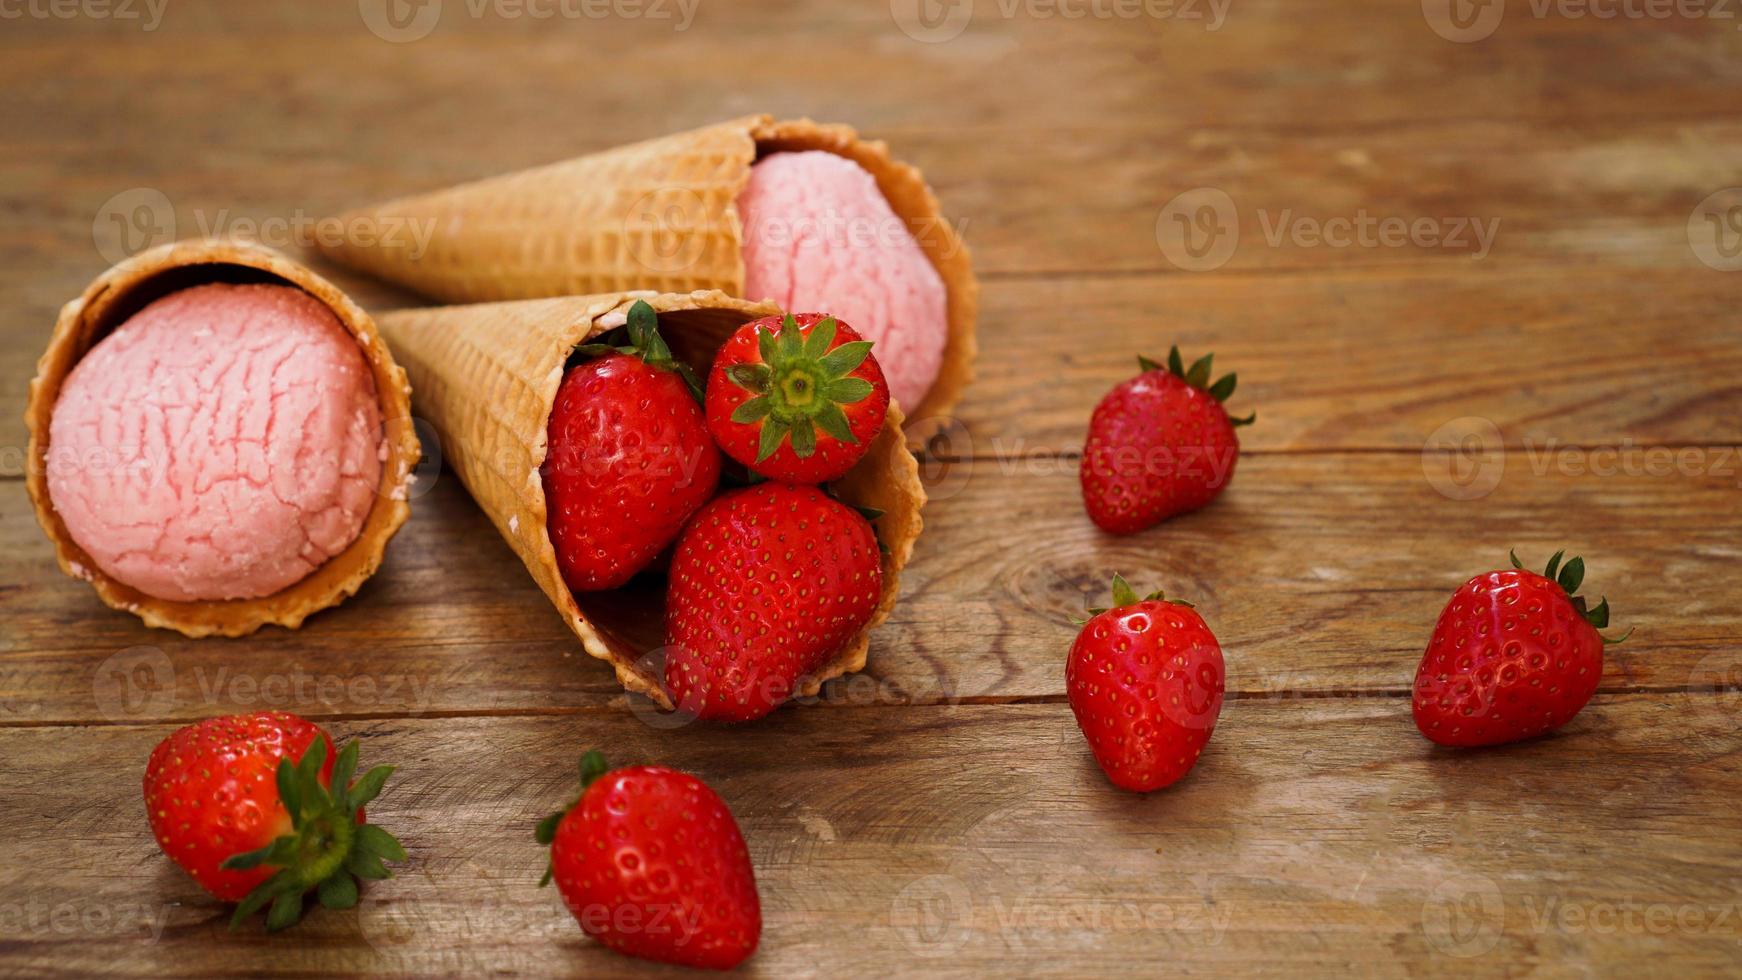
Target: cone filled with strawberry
717,498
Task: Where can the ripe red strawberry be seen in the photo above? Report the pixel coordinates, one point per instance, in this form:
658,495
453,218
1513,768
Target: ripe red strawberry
1159,444
245,804
651,863
796,399
630,458
767,582
1514,655
1145,680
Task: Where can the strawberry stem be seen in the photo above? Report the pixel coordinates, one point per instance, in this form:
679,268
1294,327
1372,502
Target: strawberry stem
1569,577
1124,595
645,342
592,767
800,386
1198,376
328,850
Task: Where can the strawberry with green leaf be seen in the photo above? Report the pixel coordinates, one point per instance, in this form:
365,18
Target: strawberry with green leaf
797,399
1145,679
259,812
1513,656
1159,444
651,863
629,457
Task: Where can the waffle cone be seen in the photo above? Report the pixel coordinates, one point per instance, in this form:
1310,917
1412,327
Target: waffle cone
658,215
487,376
125,289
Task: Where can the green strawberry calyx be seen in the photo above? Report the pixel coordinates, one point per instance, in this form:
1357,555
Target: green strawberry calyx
645,342
1569,577
327,849
592,767
1124,595
1198,376
799,386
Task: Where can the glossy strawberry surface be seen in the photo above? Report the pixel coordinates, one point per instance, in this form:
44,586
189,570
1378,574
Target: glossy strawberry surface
210,794
1510,658
766,583
651,863
798,408
629,461
1146,681
1157,446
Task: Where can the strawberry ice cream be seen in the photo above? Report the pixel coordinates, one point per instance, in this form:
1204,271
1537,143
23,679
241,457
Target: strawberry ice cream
222,443
819,236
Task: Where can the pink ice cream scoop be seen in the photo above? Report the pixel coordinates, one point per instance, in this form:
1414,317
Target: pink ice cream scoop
820,237
222,443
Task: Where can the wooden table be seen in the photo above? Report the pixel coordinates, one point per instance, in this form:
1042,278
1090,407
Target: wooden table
1574,382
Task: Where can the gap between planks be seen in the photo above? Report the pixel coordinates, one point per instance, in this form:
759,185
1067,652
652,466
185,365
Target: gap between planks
918,704
924,455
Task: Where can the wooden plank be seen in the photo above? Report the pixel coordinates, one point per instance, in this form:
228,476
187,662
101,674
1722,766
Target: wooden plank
1315,836
1615,192
1364,360
1371,360
1319,573
1369,61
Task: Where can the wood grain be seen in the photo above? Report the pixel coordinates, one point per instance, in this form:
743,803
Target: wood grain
1315,836
1320,573
939,815
1375,360
1368,360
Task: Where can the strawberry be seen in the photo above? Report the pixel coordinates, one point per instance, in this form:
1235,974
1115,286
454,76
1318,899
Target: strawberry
245,804
767,582
1145,680
651,863
629,459
796,399
1159,444
1514,655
